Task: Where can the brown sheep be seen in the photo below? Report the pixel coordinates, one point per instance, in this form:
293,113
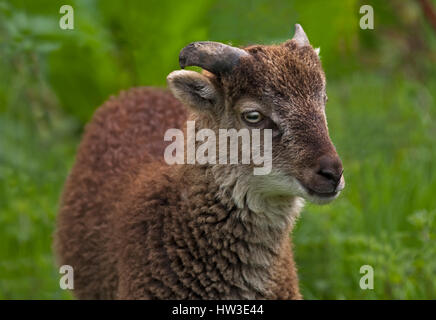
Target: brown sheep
134,227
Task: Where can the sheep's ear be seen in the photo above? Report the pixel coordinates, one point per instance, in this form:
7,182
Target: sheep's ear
193,89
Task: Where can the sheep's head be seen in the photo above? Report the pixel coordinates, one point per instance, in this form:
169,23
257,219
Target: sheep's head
277,87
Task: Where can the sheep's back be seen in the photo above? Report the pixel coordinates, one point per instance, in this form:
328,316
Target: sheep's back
125,133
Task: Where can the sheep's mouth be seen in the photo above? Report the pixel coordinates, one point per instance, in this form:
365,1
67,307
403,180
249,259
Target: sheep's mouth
326,195
320,197
321,194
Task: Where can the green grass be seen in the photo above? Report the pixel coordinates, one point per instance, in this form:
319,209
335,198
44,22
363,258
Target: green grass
381,113
32,172
384,129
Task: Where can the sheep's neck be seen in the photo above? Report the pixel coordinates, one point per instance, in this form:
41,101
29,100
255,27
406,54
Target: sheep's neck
235,244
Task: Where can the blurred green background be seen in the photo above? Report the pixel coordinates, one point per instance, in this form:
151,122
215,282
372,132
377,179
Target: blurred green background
381,112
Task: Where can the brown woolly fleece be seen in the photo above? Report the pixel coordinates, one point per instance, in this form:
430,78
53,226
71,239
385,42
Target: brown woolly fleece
133,227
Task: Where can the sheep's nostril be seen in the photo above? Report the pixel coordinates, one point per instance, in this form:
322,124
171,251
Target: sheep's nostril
330,168
328,174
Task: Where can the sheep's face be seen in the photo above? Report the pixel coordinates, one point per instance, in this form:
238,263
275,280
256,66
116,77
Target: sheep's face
281,88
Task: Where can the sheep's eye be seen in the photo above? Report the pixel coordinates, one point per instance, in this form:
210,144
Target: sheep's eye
253,117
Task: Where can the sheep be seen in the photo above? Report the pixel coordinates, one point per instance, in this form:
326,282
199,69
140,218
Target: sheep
134,227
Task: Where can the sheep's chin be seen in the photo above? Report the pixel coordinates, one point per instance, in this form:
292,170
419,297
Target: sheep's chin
280,186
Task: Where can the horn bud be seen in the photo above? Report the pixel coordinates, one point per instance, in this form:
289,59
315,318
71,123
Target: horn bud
300,36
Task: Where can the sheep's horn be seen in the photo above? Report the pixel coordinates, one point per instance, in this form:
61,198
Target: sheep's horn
300,36
215,57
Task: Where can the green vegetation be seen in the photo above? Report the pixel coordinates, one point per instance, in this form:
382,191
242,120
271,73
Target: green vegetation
381,112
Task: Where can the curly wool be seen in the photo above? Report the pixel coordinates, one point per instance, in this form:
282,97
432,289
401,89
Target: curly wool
133,227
